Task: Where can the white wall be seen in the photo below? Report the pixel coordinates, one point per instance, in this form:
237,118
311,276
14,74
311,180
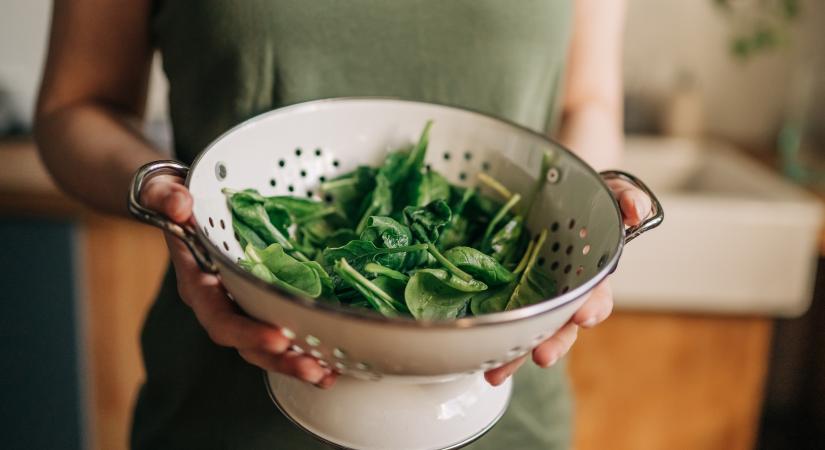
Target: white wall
24,29
744,100
23,36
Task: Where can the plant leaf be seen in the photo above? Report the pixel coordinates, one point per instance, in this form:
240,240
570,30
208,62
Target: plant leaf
359,252
386,232
533,286
288,271
435,294
481,266
428,187
246,235
426,222
380,300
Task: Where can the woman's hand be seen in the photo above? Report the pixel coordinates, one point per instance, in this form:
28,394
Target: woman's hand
258,343
635,206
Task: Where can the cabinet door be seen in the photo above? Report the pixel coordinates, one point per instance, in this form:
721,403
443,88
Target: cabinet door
39,391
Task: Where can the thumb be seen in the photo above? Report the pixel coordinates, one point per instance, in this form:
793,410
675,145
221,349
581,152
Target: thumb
167,195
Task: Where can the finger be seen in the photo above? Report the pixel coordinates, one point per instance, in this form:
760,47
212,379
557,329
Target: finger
551,350
302,367
168,196
226,326
635,205
498,375
596,308
328,381
262,359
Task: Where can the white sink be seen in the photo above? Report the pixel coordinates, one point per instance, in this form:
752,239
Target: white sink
736,238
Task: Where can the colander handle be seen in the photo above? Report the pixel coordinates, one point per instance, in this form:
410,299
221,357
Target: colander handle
183,232
656,213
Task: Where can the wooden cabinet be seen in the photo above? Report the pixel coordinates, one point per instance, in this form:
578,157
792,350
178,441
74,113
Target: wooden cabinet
659,381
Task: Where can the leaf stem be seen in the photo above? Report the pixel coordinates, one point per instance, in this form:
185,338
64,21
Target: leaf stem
546,162
378,269
499,215
317,215
494,184
348,273
523,262
452,268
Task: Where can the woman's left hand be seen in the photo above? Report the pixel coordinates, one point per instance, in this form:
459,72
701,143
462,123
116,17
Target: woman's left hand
635,206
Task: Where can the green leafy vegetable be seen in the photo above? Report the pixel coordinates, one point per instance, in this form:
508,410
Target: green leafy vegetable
382,301
481,266
398,239
360,252
289,273
378,269
435,294
531,286
246,235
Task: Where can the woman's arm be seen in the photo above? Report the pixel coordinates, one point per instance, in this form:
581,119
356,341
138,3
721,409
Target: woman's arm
592,109
87,129
591,127
92,99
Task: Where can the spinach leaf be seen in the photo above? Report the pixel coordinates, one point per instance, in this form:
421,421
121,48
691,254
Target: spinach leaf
494,222
505,243
534,286
492,300
379,202
435,294
457,230
393,287
426,222
287,272
427,187
323,277
531,285
415,161
479,265
347,192
248,207
359,252
246,235
388,233
383,302
340,237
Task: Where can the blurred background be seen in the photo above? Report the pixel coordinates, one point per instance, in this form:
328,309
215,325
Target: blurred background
714,344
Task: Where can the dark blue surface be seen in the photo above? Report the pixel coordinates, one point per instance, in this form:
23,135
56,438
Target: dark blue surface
39,396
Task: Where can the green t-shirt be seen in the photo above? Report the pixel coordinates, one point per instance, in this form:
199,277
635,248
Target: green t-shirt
228,61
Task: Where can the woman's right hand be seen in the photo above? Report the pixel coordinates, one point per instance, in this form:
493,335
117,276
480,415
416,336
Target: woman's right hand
258,343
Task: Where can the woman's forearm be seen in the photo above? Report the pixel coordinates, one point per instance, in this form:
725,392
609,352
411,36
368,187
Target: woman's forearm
592,120
92,151
593,131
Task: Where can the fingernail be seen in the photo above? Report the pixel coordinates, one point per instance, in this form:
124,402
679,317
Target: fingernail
589,322
640,211
315,378
553,359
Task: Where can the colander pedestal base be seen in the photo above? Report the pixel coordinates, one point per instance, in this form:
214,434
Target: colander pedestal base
378,415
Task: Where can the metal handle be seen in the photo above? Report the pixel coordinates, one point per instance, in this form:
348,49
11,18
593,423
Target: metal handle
183,232
657,214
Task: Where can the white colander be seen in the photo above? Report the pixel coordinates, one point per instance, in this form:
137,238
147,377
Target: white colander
407,384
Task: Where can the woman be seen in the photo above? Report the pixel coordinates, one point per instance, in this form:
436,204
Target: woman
226,62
